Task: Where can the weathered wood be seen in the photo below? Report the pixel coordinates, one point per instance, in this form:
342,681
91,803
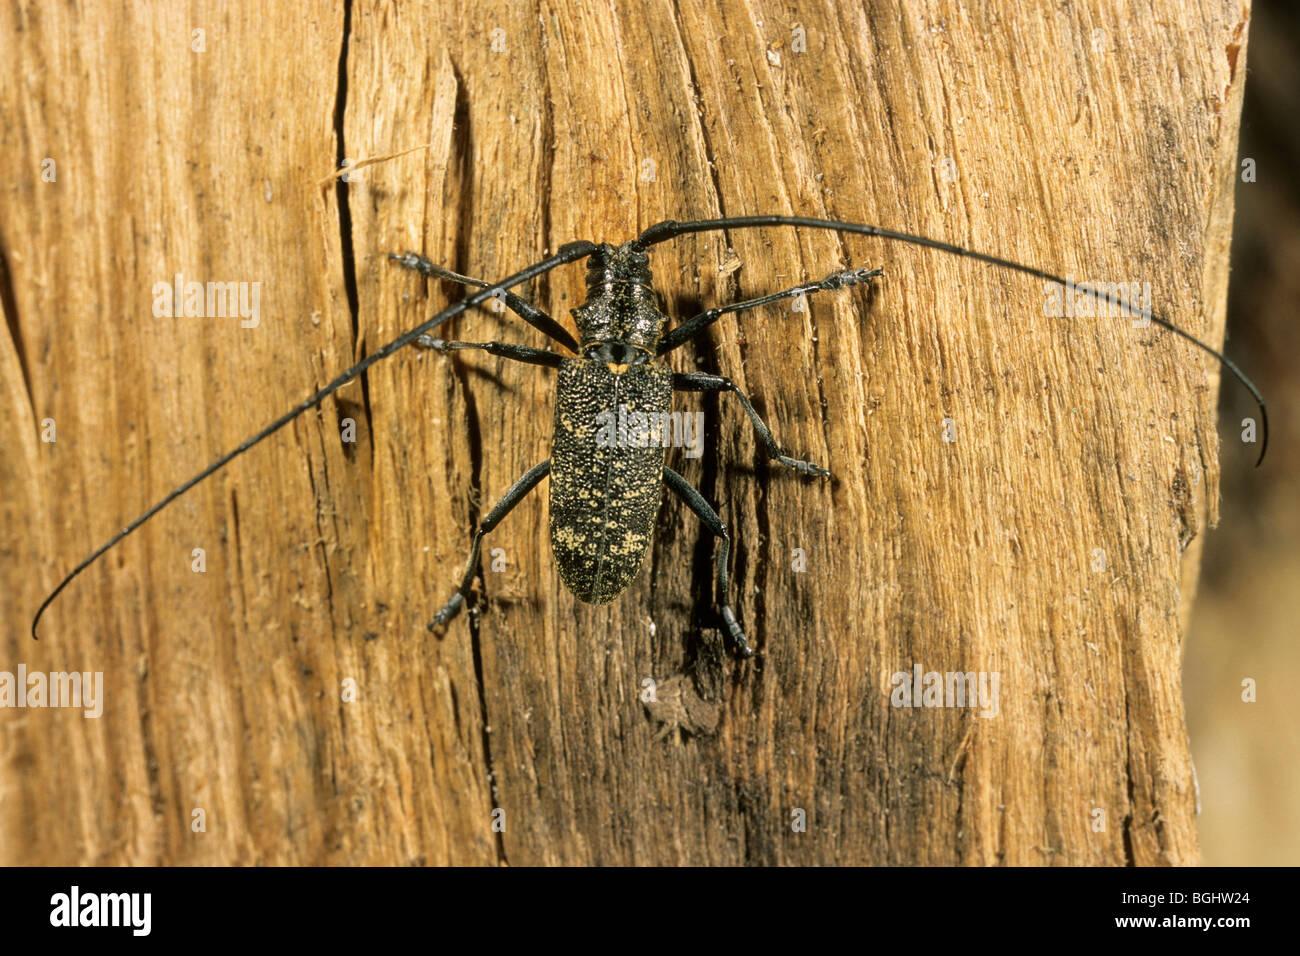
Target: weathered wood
1094,138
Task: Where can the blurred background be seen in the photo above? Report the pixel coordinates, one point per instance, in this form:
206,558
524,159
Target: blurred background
1245,620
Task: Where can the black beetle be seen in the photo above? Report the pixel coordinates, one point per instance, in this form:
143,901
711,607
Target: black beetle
605,494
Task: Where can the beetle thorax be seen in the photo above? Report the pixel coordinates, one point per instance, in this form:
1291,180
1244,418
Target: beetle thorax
620,322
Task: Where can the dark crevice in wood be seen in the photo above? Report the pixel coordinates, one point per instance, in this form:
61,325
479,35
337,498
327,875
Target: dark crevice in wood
345,221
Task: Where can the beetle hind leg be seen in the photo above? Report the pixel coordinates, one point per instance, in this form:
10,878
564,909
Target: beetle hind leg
518,491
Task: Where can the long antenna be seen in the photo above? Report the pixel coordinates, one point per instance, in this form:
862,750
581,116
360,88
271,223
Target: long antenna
670,229
567,253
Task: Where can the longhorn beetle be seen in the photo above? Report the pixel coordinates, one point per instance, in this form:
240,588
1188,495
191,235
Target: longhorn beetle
605,497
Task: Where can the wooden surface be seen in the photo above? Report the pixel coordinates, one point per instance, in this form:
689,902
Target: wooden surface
1095,139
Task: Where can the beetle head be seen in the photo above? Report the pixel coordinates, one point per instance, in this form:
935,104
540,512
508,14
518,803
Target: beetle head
620,321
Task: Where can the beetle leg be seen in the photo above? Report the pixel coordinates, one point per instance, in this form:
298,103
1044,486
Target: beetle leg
682,489
518,491
525,310
520,353
693,327
703,382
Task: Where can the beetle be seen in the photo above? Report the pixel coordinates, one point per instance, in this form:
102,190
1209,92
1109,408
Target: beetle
605,495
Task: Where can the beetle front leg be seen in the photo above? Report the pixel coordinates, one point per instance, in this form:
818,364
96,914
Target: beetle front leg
518,491
525,310
518,353
703,382
693,500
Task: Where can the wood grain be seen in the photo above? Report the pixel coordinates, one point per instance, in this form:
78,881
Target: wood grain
1097,139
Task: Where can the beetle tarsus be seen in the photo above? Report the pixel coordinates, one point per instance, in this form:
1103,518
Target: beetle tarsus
804,467
739,646
850,277
449,610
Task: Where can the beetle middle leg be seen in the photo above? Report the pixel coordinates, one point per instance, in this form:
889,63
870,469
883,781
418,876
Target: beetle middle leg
703,382
695,501
518,491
